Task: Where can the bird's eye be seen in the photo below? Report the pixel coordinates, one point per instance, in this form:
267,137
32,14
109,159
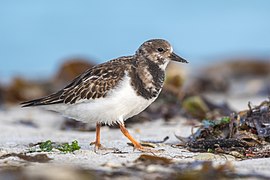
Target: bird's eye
160,49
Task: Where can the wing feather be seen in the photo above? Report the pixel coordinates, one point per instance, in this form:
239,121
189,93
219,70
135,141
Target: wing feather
94,83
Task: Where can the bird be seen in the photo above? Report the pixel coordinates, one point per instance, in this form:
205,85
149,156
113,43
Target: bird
114,91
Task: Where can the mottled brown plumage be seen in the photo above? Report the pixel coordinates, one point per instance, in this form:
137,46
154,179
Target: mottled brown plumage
94,83
116,90
143,68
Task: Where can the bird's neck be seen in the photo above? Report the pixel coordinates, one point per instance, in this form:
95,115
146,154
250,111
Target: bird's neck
149,77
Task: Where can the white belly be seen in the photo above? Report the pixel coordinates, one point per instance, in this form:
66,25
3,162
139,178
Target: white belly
119,105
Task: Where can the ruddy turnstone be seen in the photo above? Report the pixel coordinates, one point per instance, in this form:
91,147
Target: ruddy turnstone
114,91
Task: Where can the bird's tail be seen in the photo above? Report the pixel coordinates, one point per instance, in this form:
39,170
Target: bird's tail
51,99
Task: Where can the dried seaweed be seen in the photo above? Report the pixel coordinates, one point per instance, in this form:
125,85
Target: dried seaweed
246,132
208,145
257,118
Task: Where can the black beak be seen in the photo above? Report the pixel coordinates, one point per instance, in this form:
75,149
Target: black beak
175,57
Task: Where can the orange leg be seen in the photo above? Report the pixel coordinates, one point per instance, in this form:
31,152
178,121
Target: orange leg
136,144
97,142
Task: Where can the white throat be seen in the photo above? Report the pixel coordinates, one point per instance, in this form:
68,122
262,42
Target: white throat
163,66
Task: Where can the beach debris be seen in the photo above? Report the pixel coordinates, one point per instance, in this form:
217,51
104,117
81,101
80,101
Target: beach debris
152,143
200,108
138,169
46,146
217,145
206,170
48,171
68,148
196,107
151,159
246,132
257,118
49,146
262,152
41,158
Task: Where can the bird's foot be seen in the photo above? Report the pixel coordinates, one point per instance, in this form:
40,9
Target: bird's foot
146,149
99,147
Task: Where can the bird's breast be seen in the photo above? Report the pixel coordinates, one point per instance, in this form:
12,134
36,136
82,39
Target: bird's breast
121,103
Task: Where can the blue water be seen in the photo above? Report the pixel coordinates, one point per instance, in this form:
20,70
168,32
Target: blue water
36,36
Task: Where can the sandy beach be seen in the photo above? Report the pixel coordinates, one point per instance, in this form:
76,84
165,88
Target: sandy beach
21,127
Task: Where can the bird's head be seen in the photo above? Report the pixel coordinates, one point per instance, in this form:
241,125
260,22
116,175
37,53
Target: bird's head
159,51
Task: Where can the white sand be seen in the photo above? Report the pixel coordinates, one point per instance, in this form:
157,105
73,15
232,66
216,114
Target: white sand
15,137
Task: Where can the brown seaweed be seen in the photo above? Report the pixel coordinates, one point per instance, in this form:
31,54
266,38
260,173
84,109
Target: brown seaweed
246,132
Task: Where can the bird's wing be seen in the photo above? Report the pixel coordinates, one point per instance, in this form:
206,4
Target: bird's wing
94,83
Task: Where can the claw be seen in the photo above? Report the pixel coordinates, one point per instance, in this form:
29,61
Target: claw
135,143
97,146
146,150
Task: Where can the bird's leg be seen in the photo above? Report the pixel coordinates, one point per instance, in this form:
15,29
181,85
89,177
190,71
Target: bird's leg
136,144
97,142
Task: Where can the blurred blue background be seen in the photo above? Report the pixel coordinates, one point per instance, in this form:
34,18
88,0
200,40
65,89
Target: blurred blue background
36,36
